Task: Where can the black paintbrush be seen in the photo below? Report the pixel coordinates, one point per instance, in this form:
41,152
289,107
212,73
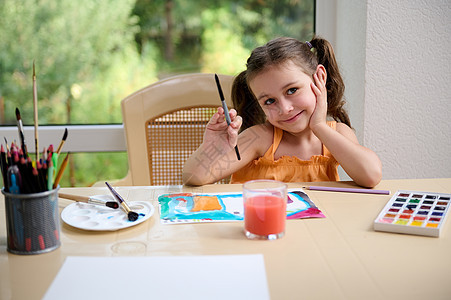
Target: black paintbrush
226,111
110,204
63,140
132,216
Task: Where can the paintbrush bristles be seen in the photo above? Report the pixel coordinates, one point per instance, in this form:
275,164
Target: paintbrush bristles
63,140
218,84
21,134
65,134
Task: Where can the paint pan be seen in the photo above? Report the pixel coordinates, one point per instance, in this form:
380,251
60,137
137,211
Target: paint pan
412,212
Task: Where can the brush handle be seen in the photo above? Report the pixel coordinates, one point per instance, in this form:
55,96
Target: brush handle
226,112
115,194
90,200
74,197
61,171
118,198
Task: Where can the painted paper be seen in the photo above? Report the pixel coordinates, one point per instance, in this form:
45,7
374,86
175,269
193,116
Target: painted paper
225,207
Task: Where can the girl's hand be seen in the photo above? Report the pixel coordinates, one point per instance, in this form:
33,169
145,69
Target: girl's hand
220,133
319,89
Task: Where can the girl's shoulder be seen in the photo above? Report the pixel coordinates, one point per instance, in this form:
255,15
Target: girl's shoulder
259,137
264,130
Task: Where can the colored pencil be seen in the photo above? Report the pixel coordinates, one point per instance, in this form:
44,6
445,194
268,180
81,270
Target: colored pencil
347,190
226,111
50,175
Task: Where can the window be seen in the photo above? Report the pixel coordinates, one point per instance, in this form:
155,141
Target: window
89,55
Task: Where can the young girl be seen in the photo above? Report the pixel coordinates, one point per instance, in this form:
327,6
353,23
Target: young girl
283,99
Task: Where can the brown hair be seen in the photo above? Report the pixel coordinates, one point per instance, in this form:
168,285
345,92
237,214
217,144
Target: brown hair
307,56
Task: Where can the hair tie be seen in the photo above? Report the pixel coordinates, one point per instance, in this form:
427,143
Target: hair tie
309,45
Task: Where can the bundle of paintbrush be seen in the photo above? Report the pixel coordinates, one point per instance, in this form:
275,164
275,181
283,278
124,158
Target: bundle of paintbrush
30,190
22,175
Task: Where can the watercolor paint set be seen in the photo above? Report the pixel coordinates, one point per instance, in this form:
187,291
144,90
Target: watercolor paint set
411,212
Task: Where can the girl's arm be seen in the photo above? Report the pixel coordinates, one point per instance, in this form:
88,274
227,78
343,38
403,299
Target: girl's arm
215,158
360,163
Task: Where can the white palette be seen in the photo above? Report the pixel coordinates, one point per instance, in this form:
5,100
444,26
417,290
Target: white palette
101,218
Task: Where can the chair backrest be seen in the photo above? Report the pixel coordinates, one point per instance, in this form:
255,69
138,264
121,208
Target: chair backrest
165,122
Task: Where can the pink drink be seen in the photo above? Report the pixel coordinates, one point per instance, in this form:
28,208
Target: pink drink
264,215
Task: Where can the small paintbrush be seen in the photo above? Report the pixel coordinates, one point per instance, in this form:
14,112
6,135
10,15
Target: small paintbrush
132,216
35,109
110,204
21,134
63,140
226,111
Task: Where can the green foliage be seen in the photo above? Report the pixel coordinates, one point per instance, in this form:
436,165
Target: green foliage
89,168
223,49
217,35
71,42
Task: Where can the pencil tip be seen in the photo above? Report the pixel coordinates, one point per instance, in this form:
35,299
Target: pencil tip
17,113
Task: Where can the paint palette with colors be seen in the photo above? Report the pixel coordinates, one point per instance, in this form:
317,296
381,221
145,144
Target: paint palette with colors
411,212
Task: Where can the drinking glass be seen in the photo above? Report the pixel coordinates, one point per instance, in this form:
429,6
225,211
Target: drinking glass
265,204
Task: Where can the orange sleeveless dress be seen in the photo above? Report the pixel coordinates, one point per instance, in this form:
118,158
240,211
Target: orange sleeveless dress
289,168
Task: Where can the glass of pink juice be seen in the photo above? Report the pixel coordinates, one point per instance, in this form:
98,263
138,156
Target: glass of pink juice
265,204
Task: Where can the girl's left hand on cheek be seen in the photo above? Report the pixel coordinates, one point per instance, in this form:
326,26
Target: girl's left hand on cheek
319,89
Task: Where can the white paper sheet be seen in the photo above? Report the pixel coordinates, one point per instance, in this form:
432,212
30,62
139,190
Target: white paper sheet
157,277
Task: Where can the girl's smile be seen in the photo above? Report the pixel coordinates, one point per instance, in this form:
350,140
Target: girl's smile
292,119
285,95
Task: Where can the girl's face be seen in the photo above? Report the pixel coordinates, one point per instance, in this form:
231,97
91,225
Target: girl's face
285,95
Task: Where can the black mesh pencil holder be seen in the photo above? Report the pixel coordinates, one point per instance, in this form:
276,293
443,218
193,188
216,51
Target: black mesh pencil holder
32,222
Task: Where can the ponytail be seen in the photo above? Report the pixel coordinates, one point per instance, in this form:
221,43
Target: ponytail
245,103
334,84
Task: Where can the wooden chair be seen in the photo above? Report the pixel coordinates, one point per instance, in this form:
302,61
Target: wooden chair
165,122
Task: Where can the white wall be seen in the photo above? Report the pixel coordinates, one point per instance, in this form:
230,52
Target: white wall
396,60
